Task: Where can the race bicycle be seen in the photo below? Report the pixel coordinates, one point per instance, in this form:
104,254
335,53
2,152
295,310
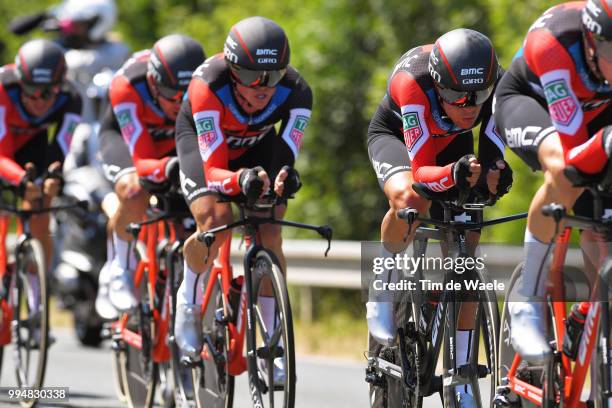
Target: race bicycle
403,374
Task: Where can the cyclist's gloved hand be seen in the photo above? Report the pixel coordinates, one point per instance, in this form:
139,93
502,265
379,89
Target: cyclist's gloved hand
290,184
251,184
497,180
159,181
28,189
466,172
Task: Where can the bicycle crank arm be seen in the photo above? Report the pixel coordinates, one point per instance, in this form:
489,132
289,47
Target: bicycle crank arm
383,366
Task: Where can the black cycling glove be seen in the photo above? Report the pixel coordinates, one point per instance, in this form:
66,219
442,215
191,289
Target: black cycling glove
292,182
251,184
461,172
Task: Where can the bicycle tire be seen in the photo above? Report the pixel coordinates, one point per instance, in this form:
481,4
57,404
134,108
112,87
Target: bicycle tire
30,256
118,376
489,329
265,266
140,374
600,401
214,387
506,351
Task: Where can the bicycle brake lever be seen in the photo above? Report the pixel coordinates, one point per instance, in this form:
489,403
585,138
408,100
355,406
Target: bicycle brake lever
326,232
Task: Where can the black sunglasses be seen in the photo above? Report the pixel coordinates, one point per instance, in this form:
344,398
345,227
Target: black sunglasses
255,79
464,98
40,91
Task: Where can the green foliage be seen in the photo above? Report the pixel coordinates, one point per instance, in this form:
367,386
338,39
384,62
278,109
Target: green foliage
345,49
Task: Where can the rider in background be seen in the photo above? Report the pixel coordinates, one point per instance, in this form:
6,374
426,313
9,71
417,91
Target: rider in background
34,96
553,106
137,142
227,143
422,132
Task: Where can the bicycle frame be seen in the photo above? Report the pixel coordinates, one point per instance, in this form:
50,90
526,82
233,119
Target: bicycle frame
155,233
573,379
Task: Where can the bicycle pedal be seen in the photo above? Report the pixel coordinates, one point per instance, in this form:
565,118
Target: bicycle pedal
188,362
270,352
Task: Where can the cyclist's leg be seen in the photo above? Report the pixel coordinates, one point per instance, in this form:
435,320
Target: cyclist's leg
391,164
133,200
528,129
207,213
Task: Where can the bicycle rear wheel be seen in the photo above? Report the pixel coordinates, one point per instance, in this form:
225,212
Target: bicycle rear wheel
270,350
140,374
30,324
214,387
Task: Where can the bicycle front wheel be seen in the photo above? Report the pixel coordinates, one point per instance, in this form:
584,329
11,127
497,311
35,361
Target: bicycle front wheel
30,325
270,343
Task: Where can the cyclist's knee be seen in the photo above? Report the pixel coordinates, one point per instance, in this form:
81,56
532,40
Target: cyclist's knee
131,195
207,213
556,181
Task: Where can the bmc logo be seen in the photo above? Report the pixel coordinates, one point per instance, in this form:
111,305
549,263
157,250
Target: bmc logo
266,51
472,71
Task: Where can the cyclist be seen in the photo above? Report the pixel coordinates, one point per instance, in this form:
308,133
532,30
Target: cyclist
553,106
436,95
227,143
137,141
35,95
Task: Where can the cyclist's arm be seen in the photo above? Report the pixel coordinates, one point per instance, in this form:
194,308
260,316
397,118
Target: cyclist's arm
10,171
292,129
128,109
414,105
70,119
549,60
206,116
490,144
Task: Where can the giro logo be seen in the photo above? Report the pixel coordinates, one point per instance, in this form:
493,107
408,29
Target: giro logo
412,129
561,105
266,60
468,81
472,71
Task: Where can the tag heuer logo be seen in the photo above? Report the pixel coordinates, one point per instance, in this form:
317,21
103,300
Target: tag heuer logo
561,105
124,118
205,125
206,133
298,130
412,129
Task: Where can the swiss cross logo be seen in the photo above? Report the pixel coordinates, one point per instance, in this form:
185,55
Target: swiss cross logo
206,133
297,132
412,129
128,128
561,105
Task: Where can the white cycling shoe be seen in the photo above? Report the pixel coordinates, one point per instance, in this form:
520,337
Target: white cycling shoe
527,324
188,331
121,288
381,322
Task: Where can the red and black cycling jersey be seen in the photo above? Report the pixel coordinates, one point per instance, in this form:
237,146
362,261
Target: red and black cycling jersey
412,110
224,132
146,130
18,127
551,67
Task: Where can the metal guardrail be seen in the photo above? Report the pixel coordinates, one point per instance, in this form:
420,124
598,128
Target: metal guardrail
341,269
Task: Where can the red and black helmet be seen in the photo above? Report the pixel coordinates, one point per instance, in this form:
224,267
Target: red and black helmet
464,67
257,51
172,62
41,63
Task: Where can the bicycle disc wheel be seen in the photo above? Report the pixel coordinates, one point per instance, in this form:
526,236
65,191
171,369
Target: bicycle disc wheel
214,387
506,351
30,318
270,350
140,373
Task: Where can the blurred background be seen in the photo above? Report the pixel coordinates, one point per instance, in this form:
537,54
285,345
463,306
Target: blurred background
345,49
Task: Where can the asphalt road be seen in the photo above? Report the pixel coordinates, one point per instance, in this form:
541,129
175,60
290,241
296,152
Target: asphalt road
88,373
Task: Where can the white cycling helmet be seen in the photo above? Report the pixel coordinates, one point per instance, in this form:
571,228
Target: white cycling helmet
102,13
